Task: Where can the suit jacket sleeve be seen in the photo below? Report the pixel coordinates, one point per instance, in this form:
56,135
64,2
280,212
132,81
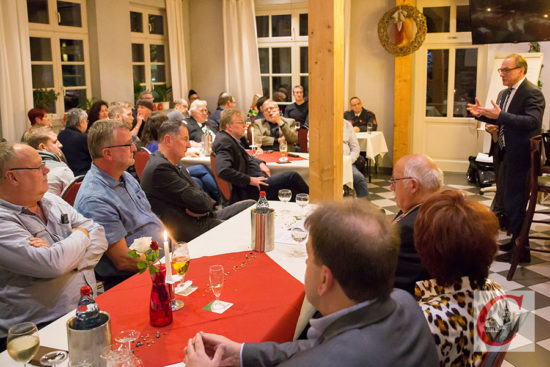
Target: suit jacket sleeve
226,160
531,117
269,353
289,131
261,128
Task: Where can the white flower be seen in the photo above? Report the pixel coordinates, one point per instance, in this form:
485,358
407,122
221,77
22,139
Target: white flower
141,245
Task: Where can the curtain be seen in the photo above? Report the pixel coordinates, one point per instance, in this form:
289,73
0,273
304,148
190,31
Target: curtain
176,44
242,65
15,69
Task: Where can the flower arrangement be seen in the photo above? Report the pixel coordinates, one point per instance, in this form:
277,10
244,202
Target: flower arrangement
144,248
252,112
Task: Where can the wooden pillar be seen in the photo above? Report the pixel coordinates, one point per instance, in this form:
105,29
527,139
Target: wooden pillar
326,89
402,110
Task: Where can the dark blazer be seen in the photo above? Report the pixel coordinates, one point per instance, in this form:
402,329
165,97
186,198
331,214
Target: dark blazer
195,130
409,267
384,333
171,190
236,166
362,120
75,149
215,119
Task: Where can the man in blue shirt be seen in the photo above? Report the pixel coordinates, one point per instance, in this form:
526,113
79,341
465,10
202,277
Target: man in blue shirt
114,199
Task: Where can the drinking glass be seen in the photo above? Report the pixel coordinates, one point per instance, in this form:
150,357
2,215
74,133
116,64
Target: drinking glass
216,283
23,342
125,339
257,139
297,126
369,128
299,234
302,200
180,263
283,148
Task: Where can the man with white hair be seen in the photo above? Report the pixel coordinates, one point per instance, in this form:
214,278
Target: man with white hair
415,177
74,140
198,122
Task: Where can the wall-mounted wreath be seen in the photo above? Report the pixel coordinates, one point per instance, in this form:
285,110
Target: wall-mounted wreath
402,30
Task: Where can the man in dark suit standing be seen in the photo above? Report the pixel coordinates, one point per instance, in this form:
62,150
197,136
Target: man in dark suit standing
516,118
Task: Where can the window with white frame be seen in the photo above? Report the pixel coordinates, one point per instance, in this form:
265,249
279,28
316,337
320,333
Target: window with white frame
282,47
59,53
149,50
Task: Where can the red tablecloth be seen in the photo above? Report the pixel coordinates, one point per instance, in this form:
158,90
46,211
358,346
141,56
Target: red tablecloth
267,302
274,157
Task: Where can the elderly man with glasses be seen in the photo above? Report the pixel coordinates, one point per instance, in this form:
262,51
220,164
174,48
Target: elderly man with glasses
415,177
47,250
114,199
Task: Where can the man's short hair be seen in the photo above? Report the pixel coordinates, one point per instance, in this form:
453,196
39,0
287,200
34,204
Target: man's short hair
227,117
354,97
150,133
455,236
261,101
7,156
145,103
101,135
428,177
35,137
298,86
358,243
144,93
196,104
74,116
36,113
115,109
224,98
520,61
191,92
270,101
169,128
180,101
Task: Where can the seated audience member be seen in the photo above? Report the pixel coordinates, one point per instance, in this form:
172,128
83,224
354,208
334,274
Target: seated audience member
180,111
175,197
122,111
114,199
192,96
144,109
415,177
456,238
248,175
351,148
44,140
98,111
225,101
198,122
275,129
359,116
39,117
299,110
351,258
47,250
260,107
150,134
73,138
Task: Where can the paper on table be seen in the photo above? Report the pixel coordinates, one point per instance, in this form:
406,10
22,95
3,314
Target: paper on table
222,307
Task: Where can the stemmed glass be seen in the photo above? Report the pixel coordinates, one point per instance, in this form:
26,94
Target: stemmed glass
125,339
302,200
216,284
23,342
257,139
180,262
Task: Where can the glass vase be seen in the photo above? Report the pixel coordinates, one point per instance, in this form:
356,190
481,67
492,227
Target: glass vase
160,308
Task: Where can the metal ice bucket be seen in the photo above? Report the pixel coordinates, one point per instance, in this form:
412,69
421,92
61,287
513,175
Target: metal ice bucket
263,230
85,346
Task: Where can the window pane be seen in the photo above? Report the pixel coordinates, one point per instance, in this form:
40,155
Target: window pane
265,85
264,60
73,75
436,93
304,82
138,52
282,89
69,14
156,24
37,11
136,22
157,53
303,60
71,50
465,80
38,100
280,25
42,76
303,24
74,97
158,74
139,73
41,49
463,19
437,18
280,60
262,26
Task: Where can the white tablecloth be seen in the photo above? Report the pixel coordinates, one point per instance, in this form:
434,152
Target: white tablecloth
372,143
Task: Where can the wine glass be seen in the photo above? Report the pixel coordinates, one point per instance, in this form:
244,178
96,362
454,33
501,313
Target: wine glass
216,283
23,342
283,148
257,139
125,339
180,263
302,200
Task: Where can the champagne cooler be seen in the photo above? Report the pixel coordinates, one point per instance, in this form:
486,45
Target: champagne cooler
85,346
263,230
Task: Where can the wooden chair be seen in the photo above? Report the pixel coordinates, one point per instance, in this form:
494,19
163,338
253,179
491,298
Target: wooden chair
537,183
69,192
302,139
141,157
224,186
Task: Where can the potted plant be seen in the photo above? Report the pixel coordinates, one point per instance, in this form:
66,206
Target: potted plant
138,88
162,94
45,98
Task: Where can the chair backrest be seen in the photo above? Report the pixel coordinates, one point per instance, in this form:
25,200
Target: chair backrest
225,187
249,134
141,157
69,193
302,139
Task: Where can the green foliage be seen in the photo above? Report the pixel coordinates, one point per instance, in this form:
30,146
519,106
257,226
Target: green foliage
44,98
137,90
133,253
162,93
142,265
86,104
153,269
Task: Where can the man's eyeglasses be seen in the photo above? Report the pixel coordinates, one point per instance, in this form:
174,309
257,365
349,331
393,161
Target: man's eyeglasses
41,167
507,70
393,180
120,145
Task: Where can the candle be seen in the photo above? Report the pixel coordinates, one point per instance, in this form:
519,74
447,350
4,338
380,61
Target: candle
167,258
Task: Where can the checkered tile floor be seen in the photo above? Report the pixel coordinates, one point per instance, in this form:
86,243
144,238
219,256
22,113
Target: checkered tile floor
534,276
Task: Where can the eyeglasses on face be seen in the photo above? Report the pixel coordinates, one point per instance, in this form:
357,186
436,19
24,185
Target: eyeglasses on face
393,180
120,145
506,70
41,167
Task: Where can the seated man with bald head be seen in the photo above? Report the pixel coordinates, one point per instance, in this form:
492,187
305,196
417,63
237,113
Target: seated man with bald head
47,250
415,178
